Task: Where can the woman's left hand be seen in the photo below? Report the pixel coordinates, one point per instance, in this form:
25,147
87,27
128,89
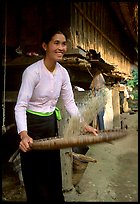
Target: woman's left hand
89,128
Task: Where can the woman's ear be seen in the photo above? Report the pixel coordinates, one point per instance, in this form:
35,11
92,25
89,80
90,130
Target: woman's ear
44,46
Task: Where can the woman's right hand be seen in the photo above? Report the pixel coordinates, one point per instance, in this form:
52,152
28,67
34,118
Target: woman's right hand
25,142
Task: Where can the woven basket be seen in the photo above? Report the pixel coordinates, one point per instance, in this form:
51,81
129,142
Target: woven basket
79,168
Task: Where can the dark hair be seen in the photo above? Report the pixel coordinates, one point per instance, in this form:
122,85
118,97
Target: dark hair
49,33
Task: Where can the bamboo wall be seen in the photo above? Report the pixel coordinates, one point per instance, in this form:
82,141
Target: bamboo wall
94,27
90,25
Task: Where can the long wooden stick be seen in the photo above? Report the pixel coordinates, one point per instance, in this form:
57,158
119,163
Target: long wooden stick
82,140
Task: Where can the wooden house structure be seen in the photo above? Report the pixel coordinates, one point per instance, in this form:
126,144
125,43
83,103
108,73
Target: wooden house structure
101,35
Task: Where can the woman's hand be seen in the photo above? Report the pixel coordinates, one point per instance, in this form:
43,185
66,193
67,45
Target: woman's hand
88,128
25,142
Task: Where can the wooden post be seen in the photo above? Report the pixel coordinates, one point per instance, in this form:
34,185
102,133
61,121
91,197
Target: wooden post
66,160
116,107
108,116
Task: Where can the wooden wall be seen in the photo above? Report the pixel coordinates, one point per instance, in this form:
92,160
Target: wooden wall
94,26
89,25
24,21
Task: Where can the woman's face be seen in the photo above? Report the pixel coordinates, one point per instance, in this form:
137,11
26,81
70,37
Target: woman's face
56,48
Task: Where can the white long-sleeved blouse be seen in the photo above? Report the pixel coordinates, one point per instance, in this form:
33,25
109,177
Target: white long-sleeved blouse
40,90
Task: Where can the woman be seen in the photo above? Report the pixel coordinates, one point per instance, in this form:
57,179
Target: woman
99,89
35,112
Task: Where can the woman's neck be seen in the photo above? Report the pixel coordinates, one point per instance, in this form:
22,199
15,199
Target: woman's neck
49,65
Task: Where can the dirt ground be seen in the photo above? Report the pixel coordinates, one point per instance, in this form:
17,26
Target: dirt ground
114,178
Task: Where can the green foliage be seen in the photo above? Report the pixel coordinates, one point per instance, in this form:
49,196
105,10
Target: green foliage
133,82
135,94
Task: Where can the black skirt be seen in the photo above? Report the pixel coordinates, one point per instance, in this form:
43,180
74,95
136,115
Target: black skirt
41,169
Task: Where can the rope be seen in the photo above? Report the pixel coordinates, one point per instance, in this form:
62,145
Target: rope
4,85
89,72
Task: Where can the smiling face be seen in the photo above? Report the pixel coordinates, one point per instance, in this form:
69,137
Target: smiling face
56,48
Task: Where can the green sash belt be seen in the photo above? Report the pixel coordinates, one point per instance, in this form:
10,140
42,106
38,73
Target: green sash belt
57,112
